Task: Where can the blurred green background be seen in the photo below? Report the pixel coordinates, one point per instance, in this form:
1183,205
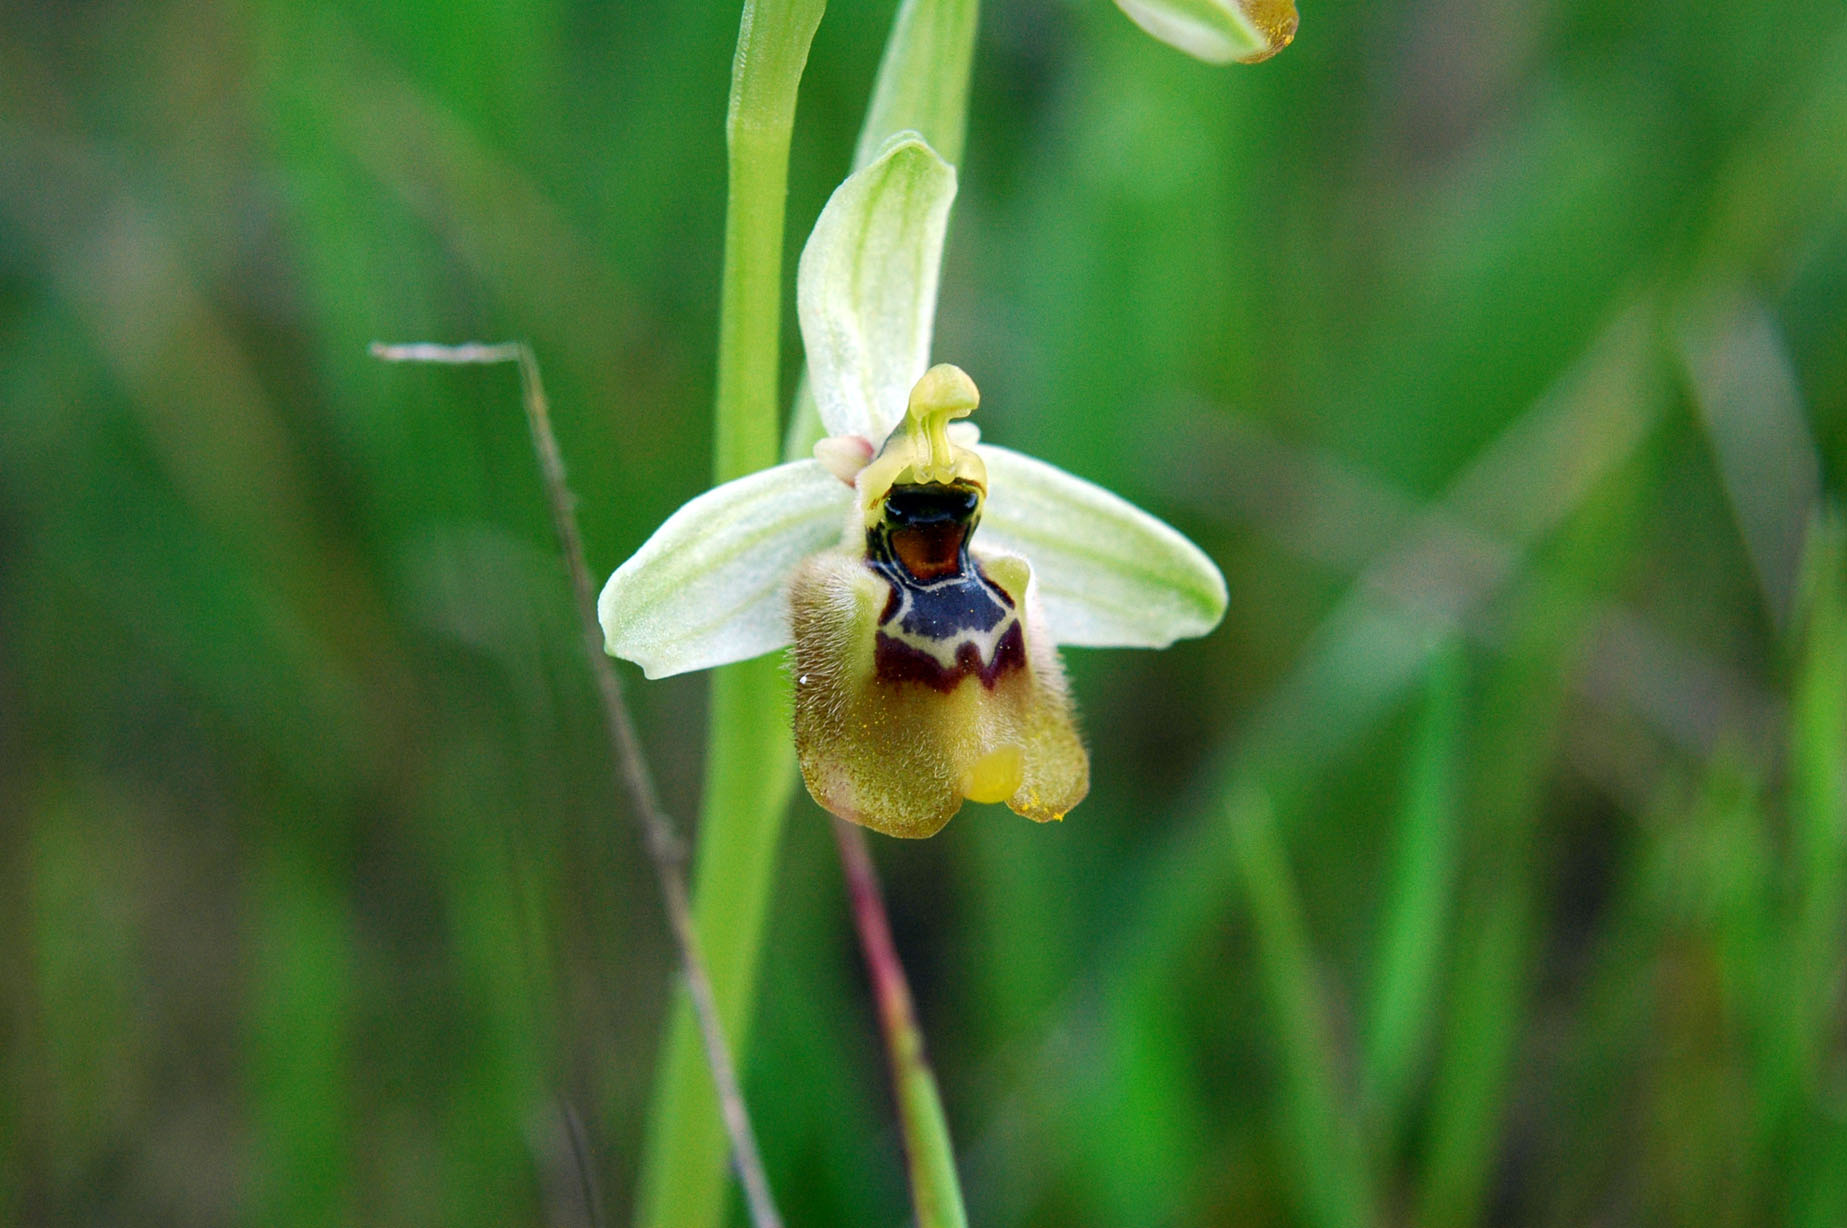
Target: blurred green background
1486,866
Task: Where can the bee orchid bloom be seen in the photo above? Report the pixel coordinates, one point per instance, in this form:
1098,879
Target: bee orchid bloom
925,578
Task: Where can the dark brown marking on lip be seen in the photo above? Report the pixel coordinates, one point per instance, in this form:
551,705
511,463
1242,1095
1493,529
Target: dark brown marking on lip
923,530
929,552
896,661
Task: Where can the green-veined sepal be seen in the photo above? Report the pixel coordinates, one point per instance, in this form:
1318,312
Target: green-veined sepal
866,288
710,587
1108,574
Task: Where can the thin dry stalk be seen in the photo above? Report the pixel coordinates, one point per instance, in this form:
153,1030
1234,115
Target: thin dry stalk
665,849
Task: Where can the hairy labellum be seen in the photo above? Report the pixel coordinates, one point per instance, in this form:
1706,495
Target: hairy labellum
920,681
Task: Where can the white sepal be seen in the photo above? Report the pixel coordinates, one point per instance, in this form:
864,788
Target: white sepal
1107,573
866,287
709,587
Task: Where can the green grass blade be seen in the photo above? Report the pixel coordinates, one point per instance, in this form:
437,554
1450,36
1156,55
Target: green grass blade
300,1042
923,79
1817,757
1322,1128
1512,746
1818,823
1402,1013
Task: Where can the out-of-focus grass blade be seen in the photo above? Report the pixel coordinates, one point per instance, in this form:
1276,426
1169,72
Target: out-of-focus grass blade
1321,1118
1736,863
1521,487
76,1066
1657,1051
1491,965
1745,389
1405,979
491,896
1817,758
1722,1153
1124,1058
1373,645
1512,746
1818,822
300,1044
1484,1022
1143,1076
816,1085
1784,181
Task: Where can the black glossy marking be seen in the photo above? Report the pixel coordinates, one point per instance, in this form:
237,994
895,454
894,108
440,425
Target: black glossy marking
923,531
913,506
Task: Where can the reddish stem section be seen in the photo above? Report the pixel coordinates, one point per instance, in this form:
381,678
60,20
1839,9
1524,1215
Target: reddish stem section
903,1042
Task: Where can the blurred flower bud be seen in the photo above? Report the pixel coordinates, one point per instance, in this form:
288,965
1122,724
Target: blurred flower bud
1217,31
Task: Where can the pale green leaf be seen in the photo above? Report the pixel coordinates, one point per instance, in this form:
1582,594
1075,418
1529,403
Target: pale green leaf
866,288
709,587
922,84
1217,31
1108,573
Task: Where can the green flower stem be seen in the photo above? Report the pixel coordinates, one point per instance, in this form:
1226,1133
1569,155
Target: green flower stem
935,1193
773,40
750,767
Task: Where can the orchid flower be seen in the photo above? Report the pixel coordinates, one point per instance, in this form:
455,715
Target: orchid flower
925,659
